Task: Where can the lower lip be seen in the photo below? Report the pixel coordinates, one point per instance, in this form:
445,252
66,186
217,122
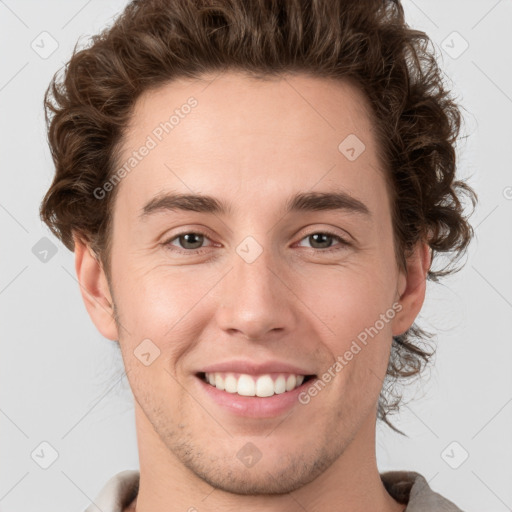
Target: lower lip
254,406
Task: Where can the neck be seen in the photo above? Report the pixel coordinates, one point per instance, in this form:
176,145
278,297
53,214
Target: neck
352,483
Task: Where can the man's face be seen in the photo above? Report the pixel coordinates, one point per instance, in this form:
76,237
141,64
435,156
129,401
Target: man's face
256,289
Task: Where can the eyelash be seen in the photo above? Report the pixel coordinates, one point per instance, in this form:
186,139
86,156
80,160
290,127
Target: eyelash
168,244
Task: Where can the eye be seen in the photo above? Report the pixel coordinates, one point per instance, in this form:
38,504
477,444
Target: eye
188,241
322,240
192,241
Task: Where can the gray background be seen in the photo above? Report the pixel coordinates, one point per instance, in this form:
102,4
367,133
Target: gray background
63,384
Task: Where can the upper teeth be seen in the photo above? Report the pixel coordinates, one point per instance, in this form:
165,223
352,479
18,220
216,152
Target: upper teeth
252,385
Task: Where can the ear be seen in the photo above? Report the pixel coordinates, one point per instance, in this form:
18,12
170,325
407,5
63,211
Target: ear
411,289
94,289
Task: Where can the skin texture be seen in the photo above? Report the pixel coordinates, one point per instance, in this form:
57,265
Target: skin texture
254,144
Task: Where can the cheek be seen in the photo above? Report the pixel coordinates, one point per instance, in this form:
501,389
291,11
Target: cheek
162,305
170,304
157,311
349,300
356,304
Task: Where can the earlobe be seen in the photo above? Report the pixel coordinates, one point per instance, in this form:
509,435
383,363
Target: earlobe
412,287
94,289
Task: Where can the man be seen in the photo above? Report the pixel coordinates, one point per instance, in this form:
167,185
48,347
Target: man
255,192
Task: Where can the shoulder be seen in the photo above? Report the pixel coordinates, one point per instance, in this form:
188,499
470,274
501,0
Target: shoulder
413,489
407,487
119,491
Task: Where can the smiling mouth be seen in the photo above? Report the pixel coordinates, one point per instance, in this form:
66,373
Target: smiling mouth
263,385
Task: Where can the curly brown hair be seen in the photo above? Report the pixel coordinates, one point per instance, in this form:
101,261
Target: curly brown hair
152,42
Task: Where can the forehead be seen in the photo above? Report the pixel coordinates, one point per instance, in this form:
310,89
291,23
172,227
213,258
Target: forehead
231,132
253,105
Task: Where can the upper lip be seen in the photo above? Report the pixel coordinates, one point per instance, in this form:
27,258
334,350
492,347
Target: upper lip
255,368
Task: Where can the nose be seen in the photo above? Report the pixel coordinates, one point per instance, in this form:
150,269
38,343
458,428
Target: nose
255,299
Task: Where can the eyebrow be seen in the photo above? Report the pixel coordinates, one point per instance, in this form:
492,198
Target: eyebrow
300,202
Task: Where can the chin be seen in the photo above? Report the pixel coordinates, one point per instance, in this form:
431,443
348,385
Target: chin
280,474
